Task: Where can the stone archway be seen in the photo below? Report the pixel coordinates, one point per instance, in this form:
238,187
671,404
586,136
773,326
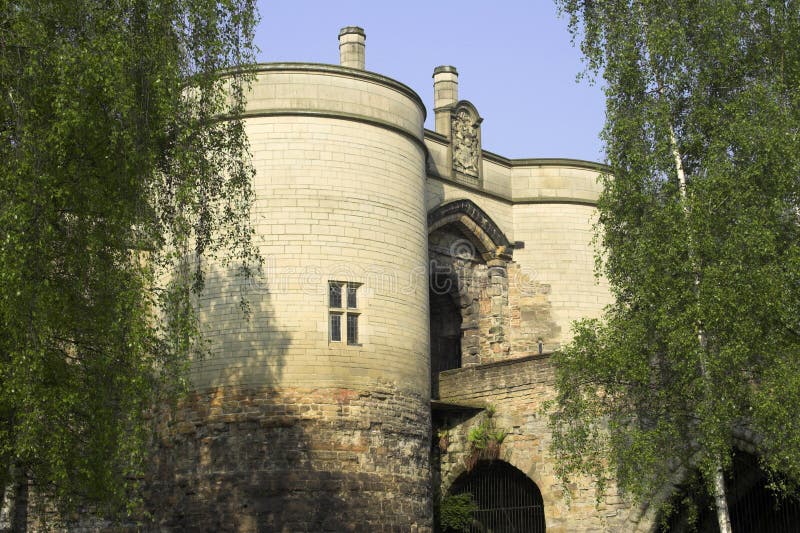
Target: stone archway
469,258
753,507
475,225
508,501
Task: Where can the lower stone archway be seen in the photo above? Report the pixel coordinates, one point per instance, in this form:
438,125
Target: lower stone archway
753,507
508,501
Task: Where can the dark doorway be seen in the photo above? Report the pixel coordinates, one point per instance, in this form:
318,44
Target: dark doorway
445,337
508,501
752,506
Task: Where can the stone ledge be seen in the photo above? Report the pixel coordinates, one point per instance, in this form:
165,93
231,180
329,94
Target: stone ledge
471,385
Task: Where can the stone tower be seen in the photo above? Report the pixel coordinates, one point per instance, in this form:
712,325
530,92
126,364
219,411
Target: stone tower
314,415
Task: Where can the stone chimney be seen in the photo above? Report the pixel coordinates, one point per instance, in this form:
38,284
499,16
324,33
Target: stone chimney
445,96
351,47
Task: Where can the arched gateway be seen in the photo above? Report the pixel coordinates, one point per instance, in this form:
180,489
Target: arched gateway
508,501
467,254
753,507
475,225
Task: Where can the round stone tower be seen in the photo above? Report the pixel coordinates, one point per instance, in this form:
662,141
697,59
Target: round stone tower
313,415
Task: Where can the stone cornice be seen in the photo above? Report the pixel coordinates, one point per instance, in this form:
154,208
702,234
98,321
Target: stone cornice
342,115
348,72
528,162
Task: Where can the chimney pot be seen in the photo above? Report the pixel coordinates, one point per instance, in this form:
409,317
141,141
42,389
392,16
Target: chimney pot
351,47
445,96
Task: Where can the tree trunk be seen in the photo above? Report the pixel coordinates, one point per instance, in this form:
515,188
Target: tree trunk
723,516
19,505
3,510
721,504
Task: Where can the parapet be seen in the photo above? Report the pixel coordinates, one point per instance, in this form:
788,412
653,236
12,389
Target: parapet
311,89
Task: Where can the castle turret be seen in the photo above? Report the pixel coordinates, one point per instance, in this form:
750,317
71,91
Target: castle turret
314,414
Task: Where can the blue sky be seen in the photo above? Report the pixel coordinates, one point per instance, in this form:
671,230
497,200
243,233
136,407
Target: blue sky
515,62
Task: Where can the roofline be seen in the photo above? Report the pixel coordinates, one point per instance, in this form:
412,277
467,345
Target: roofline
529,162
338,70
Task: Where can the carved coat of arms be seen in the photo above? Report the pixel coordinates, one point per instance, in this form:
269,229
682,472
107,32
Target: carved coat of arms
466,144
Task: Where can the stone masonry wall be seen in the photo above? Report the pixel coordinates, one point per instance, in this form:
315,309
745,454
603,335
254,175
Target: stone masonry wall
325,459
504,311
516,389
559,252
530,313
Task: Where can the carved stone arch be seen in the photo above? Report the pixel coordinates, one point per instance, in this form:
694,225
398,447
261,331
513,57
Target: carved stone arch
469,259
476,226
469,106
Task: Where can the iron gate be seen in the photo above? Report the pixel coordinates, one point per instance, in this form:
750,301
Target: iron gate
752,505
508,501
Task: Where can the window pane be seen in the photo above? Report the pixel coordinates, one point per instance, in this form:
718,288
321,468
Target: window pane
334,294
352,329
351,296
336,327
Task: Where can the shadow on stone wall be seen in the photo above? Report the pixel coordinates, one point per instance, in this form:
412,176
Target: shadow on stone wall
257,452
215,451
295,460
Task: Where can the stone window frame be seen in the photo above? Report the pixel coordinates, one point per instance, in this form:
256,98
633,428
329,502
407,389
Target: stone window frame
344,332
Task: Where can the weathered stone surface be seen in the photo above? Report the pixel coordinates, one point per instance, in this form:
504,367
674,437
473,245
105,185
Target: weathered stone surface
326,459
503,312
515,389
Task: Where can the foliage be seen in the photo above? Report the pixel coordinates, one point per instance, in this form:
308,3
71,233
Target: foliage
116,169
703,336
484,440
444,439
455,512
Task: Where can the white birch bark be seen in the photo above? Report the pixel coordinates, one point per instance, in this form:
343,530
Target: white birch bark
721,503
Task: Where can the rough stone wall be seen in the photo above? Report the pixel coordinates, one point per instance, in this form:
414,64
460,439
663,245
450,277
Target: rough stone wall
480,292
530,312
505,312
326,459
516,390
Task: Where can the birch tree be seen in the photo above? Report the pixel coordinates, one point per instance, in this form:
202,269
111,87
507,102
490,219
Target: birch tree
698,236
115,168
